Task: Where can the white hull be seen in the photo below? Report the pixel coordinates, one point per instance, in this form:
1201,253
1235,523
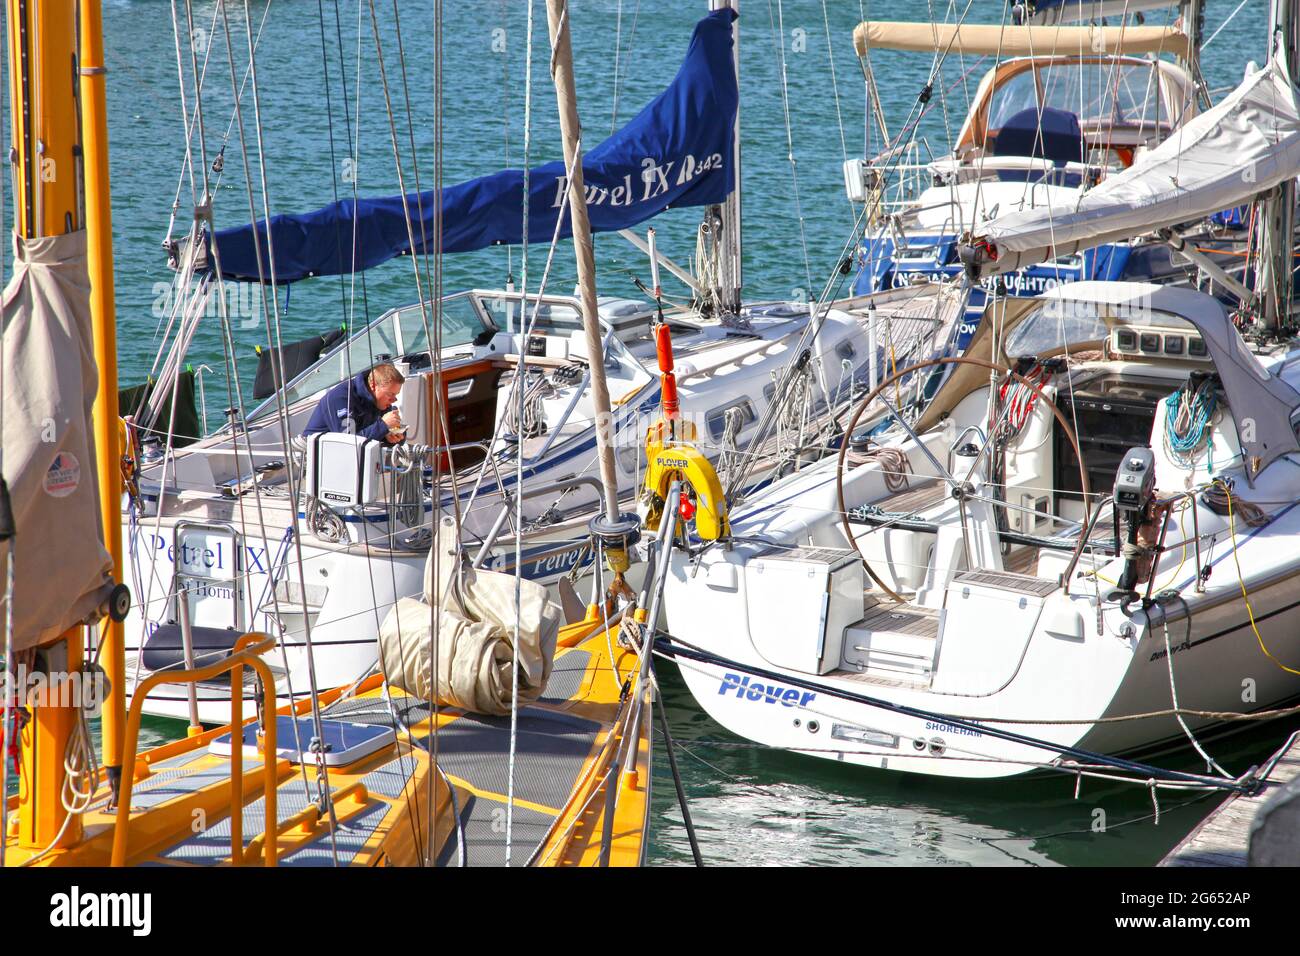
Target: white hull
980,652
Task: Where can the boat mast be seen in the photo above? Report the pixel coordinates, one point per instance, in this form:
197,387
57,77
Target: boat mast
557,16
728,214
103,314
46,169
1193,17
1278,219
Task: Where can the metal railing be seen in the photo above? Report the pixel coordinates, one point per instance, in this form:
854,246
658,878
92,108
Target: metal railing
246,653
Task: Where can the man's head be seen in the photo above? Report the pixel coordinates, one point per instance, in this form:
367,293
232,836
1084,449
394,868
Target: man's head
385,383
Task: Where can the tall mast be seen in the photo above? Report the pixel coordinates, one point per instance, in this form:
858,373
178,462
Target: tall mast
557,16
103,312
732,268
1193,15
1278,219
46,168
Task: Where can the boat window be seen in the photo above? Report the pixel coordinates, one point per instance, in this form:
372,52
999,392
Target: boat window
361,351
1016,94
398,333
1098,93
552,315
1125,93
461,325
716,420
1051,327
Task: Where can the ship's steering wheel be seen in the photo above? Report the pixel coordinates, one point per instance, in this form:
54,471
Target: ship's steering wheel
961,489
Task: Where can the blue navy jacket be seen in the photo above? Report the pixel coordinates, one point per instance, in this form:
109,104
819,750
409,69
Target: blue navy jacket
349,407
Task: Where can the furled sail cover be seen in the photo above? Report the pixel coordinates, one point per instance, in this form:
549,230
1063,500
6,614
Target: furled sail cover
1245,145
61,570
992,39
476,629
675,152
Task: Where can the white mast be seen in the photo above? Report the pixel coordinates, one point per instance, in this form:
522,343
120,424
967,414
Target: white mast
1278,219
571,132
731,277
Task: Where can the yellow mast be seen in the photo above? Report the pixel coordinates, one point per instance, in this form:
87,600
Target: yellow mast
42,50
108,449
61,186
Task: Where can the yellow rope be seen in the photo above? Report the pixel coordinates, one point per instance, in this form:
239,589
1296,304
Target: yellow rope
1232,530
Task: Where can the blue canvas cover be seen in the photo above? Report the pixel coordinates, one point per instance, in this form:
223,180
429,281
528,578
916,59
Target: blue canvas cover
675,152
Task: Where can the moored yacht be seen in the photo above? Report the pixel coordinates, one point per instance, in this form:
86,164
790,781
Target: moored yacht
1044,556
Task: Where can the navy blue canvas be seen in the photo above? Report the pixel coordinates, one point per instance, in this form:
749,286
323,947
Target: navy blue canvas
675,152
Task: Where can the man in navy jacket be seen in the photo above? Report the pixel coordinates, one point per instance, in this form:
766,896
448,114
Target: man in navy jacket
362,405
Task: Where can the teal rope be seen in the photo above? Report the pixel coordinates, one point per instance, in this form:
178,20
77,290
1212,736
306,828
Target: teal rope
1187,432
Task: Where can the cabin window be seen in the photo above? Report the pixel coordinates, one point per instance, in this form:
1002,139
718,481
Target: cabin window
716,420
1125,93
461,324
1100,93
544,317
1046,329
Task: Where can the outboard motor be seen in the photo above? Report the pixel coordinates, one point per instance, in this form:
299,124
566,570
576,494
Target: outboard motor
1135,485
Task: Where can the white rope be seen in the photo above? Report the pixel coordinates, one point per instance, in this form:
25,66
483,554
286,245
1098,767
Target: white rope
1173,696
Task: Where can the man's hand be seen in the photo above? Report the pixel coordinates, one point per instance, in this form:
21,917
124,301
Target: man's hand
396,430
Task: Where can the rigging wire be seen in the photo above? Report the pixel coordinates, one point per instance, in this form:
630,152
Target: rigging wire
778,42
234,389
329,117
272,322
1223,24
835,83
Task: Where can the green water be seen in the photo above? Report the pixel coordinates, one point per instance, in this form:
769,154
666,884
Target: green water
750,805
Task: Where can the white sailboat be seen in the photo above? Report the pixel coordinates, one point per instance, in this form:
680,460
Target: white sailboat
1062,111
1082,549
210,528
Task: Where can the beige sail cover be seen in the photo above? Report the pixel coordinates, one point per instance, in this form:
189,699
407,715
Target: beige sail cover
62,573
992,39
1244,145
475,636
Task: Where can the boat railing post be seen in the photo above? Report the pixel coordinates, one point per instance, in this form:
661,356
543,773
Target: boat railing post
1084,534
1155,555
187,645
237,763
1196,534
268,750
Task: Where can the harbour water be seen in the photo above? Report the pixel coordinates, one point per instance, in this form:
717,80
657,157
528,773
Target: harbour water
750,806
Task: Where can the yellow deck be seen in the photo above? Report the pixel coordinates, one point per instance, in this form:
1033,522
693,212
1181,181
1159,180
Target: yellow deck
181,793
